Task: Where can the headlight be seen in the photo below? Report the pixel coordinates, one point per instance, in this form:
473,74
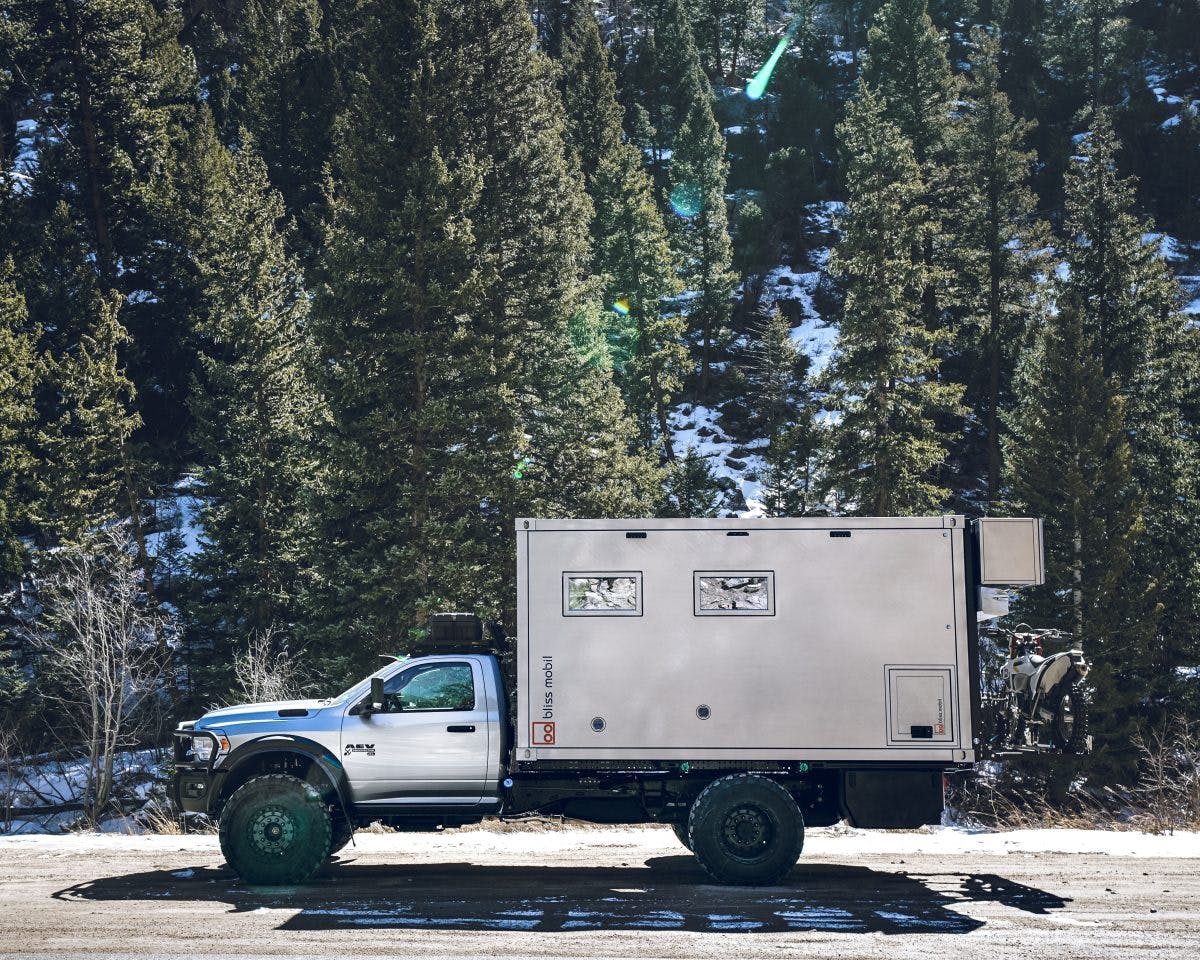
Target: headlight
202,747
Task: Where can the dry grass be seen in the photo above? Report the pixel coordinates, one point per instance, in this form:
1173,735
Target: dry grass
1166,797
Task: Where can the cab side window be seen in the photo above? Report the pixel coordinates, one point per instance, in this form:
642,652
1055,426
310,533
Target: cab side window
430,687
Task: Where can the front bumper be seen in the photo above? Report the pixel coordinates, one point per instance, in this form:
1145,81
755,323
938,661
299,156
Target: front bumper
196,782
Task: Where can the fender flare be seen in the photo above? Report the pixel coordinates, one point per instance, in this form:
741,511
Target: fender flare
1050,675
322,759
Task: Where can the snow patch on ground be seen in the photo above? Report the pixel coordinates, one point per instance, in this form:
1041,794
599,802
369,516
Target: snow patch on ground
834,842
45,782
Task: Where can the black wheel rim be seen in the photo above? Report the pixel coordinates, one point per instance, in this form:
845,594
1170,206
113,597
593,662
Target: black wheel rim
748,832
272,831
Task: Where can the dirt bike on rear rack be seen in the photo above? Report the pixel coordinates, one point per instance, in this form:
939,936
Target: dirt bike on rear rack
1041,704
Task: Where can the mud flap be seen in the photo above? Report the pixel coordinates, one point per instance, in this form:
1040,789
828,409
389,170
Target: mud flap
892,799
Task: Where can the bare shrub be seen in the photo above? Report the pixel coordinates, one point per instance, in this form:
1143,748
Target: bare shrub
1169,786
9,778
100,636
1013,797
264,671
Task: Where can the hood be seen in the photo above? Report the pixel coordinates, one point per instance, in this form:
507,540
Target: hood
276,710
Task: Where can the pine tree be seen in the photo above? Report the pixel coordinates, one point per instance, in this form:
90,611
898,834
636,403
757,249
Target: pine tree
95,480
115,75
634,254
1181,175
253,408
666,78
906,65
1069,461
1089,40
774,401
386,321
792,479
589,89
703,250
20,374
530,228
908,69
994,261
691,488
722,25
1117,279
281,75
887,446
768,378
455,269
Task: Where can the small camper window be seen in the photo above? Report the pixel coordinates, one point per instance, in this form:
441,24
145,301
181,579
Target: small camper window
602,594
735,593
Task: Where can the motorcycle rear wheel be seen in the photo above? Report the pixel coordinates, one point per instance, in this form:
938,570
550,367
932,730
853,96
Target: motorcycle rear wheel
1069,728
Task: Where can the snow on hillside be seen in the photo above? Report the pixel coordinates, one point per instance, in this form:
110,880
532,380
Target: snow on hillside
738,464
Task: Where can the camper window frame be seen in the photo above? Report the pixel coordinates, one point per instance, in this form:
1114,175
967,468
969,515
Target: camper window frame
569,575
699,611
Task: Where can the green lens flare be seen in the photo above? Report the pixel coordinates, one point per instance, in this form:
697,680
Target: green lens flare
686,200
758,86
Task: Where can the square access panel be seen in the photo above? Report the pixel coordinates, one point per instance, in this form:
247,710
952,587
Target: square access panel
920,705
1010,551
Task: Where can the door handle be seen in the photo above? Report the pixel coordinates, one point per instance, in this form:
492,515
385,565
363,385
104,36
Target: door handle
461,728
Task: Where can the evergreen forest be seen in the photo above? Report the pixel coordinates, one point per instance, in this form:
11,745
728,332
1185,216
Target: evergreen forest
303,302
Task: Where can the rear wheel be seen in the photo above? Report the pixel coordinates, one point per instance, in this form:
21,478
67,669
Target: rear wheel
1069,726
275,829
681,834
746,829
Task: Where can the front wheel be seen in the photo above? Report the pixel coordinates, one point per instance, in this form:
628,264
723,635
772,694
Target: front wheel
1069,726
343,833
274,830
746,829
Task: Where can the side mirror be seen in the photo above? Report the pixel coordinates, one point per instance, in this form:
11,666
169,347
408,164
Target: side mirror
376,694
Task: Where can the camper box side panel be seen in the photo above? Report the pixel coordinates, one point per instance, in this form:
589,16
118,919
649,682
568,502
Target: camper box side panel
858,654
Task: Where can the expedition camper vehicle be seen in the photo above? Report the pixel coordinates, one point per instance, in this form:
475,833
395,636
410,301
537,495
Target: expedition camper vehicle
734,679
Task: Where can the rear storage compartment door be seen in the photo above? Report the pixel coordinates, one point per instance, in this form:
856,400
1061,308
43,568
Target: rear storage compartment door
920,704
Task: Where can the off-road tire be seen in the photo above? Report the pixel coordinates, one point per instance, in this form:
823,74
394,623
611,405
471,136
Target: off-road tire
681,834
275,830
1072,717
745,830
342,834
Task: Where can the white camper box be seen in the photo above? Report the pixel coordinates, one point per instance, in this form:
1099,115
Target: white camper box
824,639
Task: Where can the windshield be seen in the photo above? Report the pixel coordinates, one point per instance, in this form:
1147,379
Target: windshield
385,671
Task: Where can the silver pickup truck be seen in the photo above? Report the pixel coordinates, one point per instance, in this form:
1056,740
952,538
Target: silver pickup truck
732,679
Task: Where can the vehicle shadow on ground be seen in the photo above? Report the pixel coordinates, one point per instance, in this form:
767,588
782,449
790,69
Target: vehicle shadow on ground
673,894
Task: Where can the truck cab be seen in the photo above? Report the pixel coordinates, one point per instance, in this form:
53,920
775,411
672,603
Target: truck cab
428,749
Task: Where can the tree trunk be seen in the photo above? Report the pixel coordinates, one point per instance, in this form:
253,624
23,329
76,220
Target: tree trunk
994,322
91,153
661,409
1077,575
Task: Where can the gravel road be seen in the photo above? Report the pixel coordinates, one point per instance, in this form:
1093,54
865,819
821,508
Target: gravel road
604,893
